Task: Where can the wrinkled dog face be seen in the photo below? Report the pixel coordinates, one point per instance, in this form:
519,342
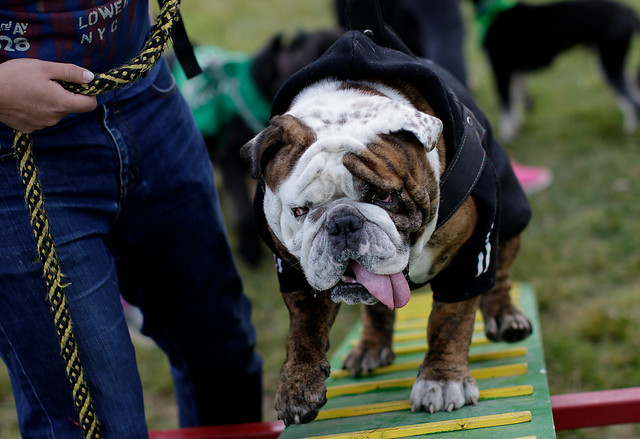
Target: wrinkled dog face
352,183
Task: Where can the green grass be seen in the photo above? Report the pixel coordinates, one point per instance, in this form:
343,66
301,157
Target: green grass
581,251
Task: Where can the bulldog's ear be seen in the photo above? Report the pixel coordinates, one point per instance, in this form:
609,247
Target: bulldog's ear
396,116
283,131
252,150
425,127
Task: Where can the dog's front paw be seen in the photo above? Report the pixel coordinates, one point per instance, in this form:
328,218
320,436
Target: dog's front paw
435,395
300,395
509,326
364,359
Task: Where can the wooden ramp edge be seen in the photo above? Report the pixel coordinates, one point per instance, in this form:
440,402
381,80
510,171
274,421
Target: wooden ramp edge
514,394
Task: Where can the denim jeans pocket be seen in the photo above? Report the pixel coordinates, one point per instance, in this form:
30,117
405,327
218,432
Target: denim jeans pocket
164,85
6,148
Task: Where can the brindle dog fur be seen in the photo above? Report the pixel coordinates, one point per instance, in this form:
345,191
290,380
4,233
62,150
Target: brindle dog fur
396,163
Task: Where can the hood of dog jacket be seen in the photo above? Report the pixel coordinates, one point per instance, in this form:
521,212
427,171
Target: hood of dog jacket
357,57
476,164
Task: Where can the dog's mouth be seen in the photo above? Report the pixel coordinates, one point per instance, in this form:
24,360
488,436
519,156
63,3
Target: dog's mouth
359,285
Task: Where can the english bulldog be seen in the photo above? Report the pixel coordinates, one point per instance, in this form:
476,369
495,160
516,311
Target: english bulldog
378,174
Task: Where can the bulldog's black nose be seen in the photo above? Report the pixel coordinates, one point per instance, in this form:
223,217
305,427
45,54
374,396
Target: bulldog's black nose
345,225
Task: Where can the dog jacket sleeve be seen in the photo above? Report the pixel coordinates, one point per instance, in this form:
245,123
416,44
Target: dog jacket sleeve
503,207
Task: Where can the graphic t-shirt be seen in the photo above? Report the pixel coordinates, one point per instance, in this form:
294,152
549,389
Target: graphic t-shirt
96,34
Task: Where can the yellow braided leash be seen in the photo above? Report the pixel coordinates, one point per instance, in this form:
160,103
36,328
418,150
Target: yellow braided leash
118,77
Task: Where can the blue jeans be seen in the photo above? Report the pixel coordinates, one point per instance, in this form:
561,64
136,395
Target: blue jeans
130,196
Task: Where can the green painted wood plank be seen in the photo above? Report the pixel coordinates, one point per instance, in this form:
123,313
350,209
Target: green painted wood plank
536,403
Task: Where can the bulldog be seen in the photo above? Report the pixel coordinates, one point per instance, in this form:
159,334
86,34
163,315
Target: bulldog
378,174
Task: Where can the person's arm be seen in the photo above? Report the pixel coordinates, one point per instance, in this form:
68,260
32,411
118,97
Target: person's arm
32,99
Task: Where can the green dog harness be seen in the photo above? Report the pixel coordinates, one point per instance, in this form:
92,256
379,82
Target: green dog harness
224,89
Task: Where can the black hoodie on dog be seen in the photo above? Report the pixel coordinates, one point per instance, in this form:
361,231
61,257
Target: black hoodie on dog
477,163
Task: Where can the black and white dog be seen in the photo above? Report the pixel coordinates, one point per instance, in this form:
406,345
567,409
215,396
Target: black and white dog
521,38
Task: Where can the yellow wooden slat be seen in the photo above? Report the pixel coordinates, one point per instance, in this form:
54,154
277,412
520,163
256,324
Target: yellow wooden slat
407,325
422,347
409,313
356,388
498,354
435,427
409,336
419,307
365,409
421,324
392,406
479,374
410,365
506,392
499,371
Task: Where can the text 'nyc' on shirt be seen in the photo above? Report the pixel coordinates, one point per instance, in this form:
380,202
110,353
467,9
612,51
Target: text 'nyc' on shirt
96,34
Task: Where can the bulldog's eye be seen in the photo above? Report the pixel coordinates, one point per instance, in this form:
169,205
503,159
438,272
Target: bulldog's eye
385,198
300,211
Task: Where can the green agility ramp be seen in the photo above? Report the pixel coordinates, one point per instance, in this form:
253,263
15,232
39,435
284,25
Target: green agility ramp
514,394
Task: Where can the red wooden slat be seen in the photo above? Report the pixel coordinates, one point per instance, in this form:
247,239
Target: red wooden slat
255,430
594,409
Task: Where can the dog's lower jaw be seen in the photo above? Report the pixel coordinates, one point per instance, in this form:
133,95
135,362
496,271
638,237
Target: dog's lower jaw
350,291
351,294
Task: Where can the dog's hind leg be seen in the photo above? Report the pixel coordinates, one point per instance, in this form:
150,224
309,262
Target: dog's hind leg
374,348
512,96
612,55
502,320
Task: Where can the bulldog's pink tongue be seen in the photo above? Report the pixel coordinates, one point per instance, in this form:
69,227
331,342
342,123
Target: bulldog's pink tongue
392,290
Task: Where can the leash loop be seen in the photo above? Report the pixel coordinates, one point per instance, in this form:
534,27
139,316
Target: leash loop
115,78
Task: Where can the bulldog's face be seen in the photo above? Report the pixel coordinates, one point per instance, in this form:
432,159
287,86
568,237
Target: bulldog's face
351,177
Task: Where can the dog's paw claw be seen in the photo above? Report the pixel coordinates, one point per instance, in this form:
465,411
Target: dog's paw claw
511,328
300,396
434,396
491,329
361,361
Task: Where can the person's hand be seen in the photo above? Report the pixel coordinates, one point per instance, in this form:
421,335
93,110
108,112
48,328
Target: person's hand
32,99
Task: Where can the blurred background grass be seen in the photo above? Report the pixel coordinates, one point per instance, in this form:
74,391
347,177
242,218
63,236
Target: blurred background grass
581,251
